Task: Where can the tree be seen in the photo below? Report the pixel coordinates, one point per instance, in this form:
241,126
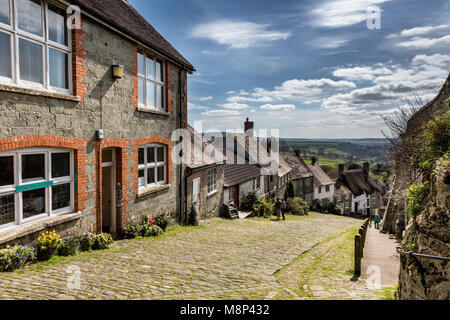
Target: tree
290,190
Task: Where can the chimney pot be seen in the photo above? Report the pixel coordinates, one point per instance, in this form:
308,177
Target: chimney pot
313,161
249,127
297,153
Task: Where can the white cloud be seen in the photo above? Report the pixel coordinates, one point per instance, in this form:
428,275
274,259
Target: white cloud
435,59
231,92
221,113
235,99
194,106
234,106
419,42
342,13
206,98
421,30
237,35
328,42
360,73
285,107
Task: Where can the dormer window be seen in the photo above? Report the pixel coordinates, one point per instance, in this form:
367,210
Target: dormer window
34,45
151,82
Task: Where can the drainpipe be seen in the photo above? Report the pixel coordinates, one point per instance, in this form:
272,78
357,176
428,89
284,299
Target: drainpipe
180,125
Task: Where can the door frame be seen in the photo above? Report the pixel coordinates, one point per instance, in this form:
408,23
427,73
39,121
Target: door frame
198,204
112,165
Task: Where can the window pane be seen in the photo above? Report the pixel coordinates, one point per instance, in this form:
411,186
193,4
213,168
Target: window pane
141,89
141,178
4,11
6,171
161,154
33,203
58,62
141,156
150,68
150,94
7,209
107,156
33,167
140,59
161,176
159,71
159,97
56,25
150,155
60,165
5,55
61,196
29,15
31,65
151,176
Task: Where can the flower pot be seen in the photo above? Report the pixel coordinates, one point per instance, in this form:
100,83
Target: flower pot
44,255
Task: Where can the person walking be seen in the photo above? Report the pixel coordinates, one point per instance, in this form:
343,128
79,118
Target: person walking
278,211
377,220
283,208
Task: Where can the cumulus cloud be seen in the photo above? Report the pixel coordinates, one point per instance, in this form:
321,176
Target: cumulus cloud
238,35
423,43
231,92
194,106
206,98
219,112
421,30
284,107
342,13
360,73
435,59
234,106
235,99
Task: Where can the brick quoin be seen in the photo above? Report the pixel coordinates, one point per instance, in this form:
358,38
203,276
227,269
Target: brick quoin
122,158
139,142
79,70
80,159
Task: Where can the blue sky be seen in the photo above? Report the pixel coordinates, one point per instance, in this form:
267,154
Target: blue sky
312,69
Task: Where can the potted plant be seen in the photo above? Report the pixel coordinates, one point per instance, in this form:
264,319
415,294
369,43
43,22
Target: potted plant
47,244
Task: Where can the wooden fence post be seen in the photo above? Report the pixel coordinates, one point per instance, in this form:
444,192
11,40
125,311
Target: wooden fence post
358,255
361,241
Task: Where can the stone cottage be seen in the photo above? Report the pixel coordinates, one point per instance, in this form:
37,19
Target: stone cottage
323,184
204,176
301,176
86,118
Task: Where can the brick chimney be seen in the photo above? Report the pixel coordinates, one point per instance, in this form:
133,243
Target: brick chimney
249,127
297,153
313,161
366,169
341,169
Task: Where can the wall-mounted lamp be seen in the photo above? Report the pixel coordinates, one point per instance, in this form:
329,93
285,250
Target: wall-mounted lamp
117,70
100,134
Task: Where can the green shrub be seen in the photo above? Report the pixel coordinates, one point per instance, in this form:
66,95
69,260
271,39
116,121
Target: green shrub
150,230
162,221
297,206
416,195
86,241
193,219
68,247
131,231
267,208
22,255
6,260
102,241
434,142
290,190
252,199
47,244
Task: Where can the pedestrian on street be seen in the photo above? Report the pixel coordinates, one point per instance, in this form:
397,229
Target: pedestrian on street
377,220
278,211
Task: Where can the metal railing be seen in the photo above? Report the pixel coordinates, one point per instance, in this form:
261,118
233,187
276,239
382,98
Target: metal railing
421,255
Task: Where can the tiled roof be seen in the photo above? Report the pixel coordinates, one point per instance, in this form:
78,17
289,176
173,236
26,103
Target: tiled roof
299,168
355,180
122,16
320,176
205,153
285,168
235,174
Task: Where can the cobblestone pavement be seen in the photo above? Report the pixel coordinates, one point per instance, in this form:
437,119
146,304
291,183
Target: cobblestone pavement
221,260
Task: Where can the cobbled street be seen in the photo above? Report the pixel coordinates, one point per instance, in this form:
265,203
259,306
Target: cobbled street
221,259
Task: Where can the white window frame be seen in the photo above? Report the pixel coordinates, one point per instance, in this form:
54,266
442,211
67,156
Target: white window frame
212,181
18,198
15,34
155,82
155,165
